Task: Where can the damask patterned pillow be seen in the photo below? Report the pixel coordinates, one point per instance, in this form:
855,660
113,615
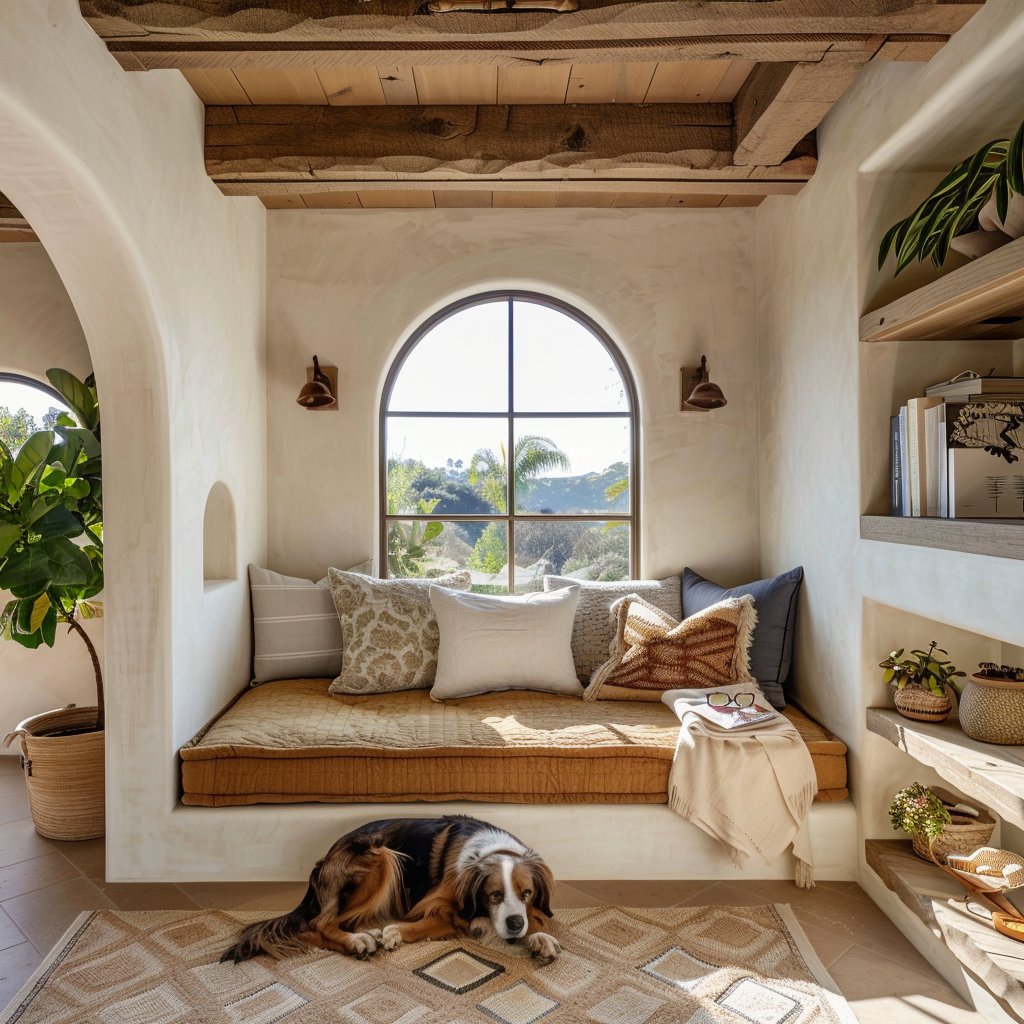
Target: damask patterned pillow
389,631
653,652
594,629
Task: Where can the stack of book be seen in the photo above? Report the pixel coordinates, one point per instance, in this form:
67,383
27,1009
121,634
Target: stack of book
958,451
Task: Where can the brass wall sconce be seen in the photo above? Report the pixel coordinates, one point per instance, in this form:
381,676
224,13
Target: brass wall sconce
321,388
698,394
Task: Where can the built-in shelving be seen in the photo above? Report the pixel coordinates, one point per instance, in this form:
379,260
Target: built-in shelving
938,900
982,300
1002,538
985,771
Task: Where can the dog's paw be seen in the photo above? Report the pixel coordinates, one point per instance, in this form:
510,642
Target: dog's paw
364,944
391,937
481,929
543,947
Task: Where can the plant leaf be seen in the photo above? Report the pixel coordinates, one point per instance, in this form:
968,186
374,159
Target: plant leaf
58,522
40,607
9,534
29,460
1015,161
69,564
79,398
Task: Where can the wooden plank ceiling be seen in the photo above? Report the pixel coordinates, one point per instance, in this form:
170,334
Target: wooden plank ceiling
359,103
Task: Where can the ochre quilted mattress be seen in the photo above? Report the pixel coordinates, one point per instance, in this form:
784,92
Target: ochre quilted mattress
293,742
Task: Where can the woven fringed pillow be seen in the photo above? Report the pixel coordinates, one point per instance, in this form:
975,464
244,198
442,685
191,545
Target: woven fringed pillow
653,652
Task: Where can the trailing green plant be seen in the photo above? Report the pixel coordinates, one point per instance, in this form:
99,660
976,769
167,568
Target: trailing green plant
990,670
916,810
51,526
953,206
921,668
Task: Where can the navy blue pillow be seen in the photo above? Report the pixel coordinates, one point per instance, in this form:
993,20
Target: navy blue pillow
771,649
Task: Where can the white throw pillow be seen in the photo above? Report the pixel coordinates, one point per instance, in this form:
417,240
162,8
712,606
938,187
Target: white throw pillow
504,643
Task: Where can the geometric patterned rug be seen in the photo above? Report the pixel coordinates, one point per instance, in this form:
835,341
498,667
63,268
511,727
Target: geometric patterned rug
688,965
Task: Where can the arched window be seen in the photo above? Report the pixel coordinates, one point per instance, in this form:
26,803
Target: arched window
509,439
26,405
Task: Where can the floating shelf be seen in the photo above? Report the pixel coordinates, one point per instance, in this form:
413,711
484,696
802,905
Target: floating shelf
937,899
987,772
984,300
1001,538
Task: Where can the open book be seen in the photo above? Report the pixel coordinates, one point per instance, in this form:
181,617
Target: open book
733,718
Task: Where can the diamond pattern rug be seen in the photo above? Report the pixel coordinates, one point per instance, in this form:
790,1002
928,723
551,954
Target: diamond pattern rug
689,965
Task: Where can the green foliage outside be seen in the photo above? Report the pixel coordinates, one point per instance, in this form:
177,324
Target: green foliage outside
16,427
51,525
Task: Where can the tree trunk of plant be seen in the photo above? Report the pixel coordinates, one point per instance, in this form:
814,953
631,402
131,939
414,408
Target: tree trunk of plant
87,640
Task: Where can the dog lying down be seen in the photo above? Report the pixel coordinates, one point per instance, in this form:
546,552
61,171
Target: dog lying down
406,879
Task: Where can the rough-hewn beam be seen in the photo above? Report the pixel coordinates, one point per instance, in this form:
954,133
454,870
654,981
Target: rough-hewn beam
319,33
781,102
334,143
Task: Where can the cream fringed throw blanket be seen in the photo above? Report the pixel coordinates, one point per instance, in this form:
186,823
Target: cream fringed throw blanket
752,790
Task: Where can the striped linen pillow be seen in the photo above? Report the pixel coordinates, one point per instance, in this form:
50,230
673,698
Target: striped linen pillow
296,632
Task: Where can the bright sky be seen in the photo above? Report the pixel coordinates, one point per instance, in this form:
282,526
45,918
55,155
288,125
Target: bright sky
23,396
462,366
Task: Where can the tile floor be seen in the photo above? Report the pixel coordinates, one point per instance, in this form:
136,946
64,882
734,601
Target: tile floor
44,885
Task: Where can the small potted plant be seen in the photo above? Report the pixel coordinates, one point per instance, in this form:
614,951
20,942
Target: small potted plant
992,705
923,683
938,824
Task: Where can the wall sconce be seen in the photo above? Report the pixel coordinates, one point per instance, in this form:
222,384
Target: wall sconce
321,388
697,392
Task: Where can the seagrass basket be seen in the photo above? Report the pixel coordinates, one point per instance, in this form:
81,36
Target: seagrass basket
63,773
922,705
963,835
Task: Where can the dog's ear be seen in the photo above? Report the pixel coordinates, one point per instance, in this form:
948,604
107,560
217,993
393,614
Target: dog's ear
468,887
543,884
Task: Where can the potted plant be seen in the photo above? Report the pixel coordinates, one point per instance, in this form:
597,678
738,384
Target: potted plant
978,206
51,563
937,823
992,705
923,682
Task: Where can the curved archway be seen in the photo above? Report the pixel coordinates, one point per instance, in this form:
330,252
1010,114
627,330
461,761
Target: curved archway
220,560
533,390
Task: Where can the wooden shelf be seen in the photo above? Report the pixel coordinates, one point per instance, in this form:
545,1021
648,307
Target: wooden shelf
985,771
984,299
937,899
1001,538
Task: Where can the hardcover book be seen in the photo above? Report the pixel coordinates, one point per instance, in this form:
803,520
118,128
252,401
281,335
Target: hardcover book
985,442
732,719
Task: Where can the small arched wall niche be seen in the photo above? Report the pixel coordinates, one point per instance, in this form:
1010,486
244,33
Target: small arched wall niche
220,561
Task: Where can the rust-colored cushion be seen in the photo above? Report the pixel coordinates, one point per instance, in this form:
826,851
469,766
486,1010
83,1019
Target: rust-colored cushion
293,742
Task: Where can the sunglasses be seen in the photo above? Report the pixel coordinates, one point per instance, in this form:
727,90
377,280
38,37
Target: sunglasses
723,700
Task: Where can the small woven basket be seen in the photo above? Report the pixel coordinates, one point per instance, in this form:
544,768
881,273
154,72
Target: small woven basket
922,705
64,773
1004,868
963,835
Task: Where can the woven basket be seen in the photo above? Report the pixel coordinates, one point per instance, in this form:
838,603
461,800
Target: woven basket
998,868
962,836
922,705
64,774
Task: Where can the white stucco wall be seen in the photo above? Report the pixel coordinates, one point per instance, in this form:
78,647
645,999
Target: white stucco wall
39,329
666,285
167,278
826,399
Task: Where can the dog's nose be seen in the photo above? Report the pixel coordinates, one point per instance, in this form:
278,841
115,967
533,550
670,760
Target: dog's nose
514,923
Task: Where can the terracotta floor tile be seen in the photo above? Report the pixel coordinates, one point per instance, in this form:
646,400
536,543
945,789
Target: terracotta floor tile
44,915
827,945
19,841
16,964
89,856
10,934
146,896
882,991
643,893
269,896
37,873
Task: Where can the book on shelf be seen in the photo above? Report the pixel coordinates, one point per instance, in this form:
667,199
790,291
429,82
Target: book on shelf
733,719
968,386
904,463
921,468
896,496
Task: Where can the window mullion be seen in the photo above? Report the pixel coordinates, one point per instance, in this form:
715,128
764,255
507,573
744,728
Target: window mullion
511,461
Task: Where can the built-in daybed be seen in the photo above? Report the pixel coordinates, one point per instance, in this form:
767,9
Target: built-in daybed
293,742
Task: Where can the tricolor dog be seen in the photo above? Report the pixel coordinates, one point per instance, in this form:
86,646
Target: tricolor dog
406,879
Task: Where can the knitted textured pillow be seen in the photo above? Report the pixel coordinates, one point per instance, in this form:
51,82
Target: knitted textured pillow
653,652
593,629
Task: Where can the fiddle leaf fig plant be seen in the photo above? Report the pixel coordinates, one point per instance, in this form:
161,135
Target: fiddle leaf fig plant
51,526
952,207
921,668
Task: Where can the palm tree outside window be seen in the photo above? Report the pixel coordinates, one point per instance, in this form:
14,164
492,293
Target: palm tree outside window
508,440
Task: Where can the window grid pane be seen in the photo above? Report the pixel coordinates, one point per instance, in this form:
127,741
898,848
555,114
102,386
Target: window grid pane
534,459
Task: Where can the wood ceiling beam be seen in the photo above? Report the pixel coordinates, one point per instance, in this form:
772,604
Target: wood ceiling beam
780,103
301,143
322,33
